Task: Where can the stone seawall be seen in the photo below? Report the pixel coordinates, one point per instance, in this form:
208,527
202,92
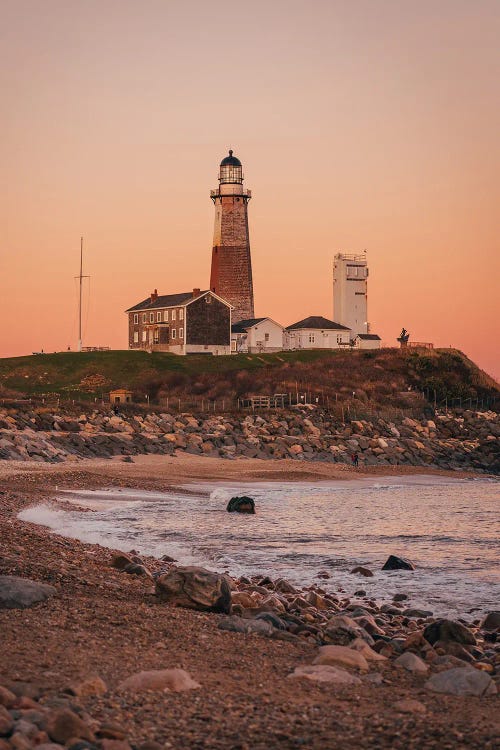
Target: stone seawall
466,441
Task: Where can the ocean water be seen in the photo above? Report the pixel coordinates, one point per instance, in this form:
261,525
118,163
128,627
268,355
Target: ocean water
448,528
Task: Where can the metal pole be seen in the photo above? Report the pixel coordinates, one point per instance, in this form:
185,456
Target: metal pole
80,301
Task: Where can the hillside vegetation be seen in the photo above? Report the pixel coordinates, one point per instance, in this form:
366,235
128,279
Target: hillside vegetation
379,378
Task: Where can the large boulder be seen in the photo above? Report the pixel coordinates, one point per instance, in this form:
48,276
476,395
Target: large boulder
449,630
242,504
194,588
462,681
325,673
19,593
397,563
341,656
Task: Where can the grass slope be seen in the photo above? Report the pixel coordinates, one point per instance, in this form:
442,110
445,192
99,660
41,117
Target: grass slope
377,377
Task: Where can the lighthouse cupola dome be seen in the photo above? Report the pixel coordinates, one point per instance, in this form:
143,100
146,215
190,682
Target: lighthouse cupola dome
231,170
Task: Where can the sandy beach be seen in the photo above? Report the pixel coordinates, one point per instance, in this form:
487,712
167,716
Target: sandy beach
102,622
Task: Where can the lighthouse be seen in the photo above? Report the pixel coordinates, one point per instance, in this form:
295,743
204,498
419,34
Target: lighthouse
231,273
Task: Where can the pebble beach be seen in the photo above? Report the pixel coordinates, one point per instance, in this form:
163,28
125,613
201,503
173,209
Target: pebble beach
110,657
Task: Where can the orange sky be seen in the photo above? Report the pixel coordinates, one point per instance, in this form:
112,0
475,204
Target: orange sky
360,124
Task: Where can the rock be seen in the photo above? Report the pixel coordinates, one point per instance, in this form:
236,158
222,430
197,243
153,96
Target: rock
111,732
411,662
325,673
447,661
237,624
362,571
88,687
399,597
121,561
137,570
53,746
63,724
449,630
417,613
491,621
7,698
272,619
341,630
409,706
6,722
397,563
172,680
241,505
194,588
362,646
108,744
19,593
462,681
346,657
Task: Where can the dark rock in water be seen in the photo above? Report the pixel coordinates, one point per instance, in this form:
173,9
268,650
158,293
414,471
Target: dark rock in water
167,558
19,593
449,630
399,597
241,505
195,588
362,571
491,621
397,563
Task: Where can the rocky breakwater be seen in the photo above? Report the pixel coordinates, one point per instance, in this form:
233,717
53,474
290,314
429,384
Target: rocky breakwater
466,441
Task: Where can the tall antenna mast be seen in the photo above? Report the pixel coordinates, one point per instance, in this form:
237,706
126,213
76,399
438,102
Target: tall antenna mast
80,277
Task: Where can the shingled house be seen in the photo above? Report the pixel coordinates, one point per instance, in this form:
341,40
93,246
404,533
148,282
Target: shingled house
197,322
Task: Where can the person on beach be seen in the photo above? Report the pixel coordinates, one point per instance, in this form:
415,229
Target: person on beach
355,460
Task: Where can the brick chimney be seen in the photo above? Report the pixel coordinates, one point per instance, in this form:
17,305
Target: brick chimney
196,293
154,295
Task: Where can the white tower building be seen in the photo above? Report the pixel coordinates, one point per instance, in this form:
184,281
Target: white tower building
350,274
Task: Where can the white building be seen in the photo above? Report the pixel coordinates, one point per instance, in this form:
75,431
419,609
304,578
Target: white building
367,341
257,335
317,332
350,288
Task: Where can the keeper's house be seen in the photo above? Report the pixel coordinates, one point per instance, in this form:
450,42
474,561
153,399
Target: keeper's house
316,332
188,323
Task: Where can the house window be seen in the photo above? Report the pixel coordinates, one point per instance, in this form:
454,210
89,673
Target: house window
136,318
181,314
156,336
174,314
166,316
339,339
136,337
174,333
181,333
144,336
266,337
144,317
158,317
151,317
233,345
311,338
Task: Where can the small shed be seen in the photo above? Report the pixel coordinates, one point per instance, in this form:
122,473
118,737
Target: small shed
120,396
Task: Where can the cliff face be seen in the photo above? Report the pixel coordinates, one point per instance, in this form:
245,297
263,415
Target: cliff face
466,441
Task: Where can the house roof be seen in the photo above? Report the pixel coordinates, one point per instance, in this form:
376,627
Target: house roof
368,336
243,325
317,322
165,300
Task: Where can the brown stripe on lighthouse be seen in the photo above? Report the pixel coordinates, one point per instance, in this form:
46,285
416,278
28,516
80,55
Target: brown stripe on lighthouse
231,273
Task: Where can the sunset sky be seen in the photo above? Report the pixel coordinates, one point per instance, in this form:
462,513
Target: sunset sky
361,124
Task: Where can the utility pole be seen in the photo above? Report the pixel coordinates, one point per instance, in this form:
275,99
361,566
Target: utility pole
80,277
